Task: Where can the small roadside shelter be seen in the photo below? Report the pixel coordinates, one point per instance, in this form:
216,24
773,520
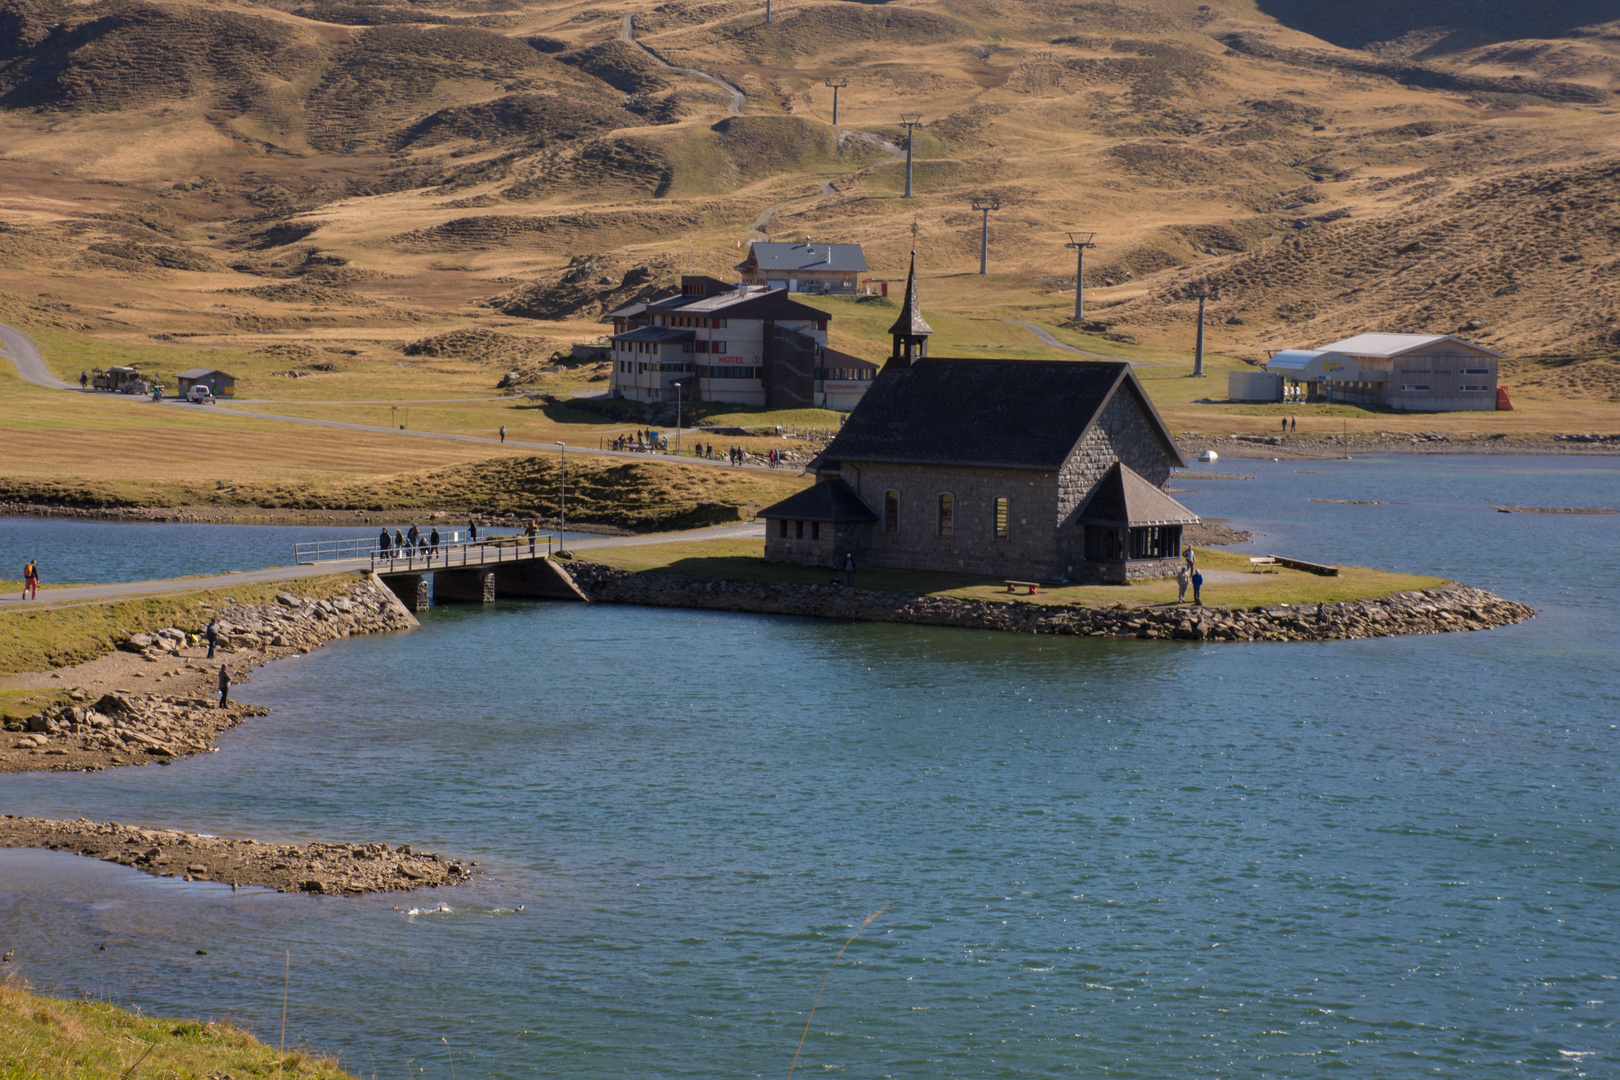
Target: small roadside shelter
219,383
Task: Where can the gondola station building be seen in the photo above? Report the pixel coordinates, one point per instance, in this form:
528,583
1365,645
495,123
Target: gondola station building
1038,470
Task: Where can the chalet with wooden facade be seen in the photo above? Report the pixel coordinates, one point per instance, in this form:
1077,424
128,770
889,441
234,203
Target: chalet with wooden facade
806,267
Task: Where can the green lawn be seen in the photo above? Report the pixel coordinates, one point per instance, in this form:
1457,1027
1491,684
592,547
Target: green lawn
44,1038
742,560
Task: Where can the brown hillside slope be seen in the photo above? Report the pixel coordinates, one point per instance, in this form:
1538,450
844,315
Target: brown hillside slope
397,170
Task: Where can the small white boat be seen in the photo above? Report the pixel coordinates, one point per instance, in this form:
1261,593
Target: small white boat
1209,455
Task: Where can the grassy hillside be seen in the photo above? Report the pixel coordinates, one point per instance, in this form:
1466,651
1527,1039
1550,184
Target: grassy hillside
43,1038
363,206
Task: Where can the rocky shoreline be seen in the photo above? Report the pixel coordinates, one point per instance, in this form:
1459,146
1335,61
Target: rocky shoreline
1430,611
119,727
1319,446
122,727
343,869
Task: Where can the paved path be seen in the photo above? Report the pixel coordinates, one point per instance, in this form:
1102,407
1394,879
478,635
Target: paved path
94,594
30,364
1050,341
31,368
627,32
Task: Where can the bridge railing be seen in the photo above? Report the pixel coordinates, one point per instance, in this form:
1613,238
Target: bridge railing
424,556
315,551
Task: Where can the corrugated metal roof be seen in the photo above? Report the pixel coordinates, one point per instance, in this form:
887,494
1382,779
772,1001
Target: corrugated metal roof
1397,344
782,258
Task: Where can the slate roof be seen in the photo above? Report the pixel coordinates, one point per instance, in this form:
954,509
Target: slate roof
1397,344
203,373
911,322
829,500
1123,498
786,258
1010,414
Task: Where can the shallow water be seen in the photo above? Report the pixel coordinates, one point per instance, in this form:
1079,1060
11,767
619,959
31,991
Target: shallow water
1133,859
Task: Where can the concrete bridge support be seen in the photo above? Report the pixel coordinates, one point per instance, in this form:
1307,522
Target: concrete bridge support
412,590
535,579
472,585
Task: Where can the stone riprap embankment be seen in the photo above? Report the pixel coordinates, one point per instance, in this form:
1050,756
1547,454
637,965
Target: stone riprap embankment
120,726
1430,611
347,869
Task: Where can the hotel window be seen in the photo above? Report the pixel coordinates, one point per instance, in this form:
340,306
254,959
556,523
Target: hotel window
1002,523
945,524
1475,371
891,511
1424,387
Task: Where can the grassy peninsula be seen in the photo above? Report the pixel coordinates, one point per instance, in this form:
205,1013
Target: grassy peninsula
43,1038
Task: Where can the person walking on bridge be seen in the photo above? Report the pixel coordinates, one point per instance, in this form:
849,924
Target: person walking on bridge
384,542
433,541
31,581
472,531
224,686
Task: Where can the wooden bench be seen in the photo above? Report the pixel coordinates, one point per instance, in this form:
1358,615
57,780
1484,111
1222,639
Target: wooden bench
1013,586
1263,564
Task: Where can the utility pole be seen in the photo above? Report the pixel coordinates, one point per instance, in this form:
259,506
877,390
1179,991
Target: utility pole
911,122
562,492
837,82
1204,292
984,206
1080,241
767,12
677,418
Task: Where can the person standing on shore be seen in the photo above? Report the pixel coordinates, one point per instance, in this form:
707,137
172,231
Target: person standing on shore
224,686
1198,587
849,568
1181,584
31,581
211,635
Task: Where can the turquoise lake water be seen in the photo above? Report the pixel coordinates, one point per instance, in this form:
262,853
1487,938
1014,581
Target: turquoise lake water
1388,858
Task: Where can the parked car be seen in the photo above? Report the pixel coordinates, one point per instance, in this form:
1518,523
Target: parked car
200,395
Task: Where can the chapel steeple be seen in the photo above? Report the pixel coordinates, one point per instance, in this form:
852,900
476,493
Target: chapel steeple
910,331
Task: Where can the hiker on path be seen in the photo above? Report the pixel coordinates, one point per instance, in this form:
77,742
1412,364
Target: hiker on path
211,635
1285,425
849,568
84,380
1182,580
1198,587
503,433
224,686
1293,423
31,581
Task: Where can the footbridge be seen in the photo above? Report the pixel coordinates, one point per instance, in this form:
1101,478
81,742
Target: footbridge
513,567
